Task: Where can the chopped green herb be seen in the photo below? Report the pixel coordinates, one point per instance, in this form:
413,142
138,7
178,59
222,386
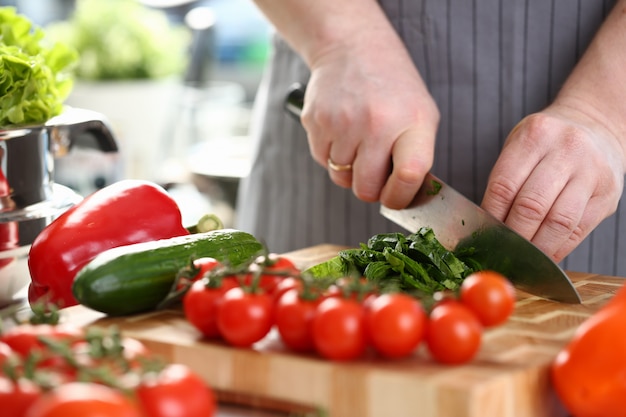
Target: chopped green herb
436,187
414,263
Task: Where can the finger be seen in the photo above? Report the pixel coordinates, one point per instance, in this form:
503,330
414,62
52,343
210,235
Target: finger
340,174
535,199
319,150
593,214
319,139
412,156
370,171
320,143
340,162
564,218
505,183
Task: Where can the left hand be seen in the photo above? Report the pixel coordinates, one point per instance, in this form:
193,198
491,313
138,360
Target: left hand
560,173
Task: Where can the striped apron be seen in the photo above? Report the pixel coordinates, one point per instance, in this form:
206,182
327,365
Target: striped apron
487,63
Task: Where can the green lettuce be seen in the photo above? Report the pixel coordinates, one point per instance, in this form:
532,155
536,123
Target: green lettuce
35,74
122,40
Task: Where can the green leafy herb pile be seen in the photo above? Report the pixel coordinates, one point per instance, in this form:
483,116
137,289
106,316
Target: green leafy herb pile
413,263
35,75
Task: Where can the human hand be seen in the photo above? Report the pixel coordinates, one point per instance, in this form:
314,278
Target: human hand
560,173
367,106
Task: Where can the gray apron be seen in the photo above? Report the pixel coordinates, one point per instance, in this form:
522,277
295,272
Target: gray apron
487,63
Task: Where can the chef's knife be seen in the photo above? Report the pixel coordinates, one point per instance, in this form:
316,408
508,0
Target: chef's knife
461,225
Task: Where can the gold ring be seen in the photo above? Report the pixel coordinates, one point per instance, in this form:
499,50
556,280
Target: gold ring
338,167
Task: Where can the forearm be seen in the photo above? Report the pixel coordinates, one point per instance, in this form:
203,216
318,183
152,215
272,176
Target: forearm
313,28
599,80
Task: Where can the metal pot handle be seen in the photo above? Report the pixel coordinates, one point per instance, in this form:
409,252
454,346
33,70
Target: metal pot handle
67,129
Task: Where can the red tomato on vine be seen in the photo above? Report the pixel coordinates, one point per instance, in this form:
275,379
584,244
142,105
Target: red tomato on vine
200,305
25,338
176,391
244,317
285,285
274,269
395,323
5,353
17,397
199,268
83,399
339,328
293,318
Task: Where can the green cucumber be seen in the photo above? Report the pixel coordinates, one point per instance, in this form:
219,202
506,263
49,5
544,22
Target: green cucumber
136,278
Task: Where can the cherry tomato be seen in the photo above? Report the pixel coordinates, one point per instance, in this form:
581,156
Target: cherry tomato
176,391
83,399
25,338
17,397
134,349
200,305
359,289
453,333
395,324
205,264
244,318
273,262
5,353
490,296
333,290
285,285
133,352
339,329
293,319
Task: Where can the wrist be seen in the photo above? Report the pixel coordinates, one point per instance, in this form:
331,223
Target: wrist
351,29
585,111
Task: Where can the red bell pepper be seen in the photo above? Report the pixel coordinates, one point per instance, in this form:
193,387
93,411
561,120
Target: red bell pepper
589,373
124,213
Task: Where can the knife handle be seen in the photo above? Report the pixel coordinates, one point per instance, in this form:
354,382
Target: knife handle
294,101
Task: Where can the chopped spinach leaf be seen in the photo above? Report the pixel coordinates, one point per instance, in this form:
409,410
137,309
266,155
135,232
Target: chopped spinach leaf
416,262
436,187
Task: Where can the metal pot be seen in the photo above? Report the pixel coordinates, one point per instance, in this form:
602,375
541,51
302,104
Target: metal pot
29,198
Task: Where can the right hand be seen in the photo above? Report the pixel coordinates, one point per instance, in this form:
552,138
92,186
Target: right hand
366,105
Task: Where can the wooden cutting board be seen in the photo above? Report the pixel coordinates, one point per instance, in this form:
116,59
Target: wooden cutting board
509,377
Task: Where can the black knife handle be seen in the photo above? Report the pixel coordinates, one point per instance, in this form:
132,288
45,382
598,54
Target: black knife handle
294,101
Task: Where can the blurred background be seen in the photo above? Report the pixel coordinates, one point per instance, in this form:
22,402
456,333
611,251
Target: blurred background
175,79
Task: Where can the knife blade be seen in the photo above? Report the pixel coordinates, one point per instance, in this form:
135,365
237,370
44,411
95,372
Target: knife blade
461,225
